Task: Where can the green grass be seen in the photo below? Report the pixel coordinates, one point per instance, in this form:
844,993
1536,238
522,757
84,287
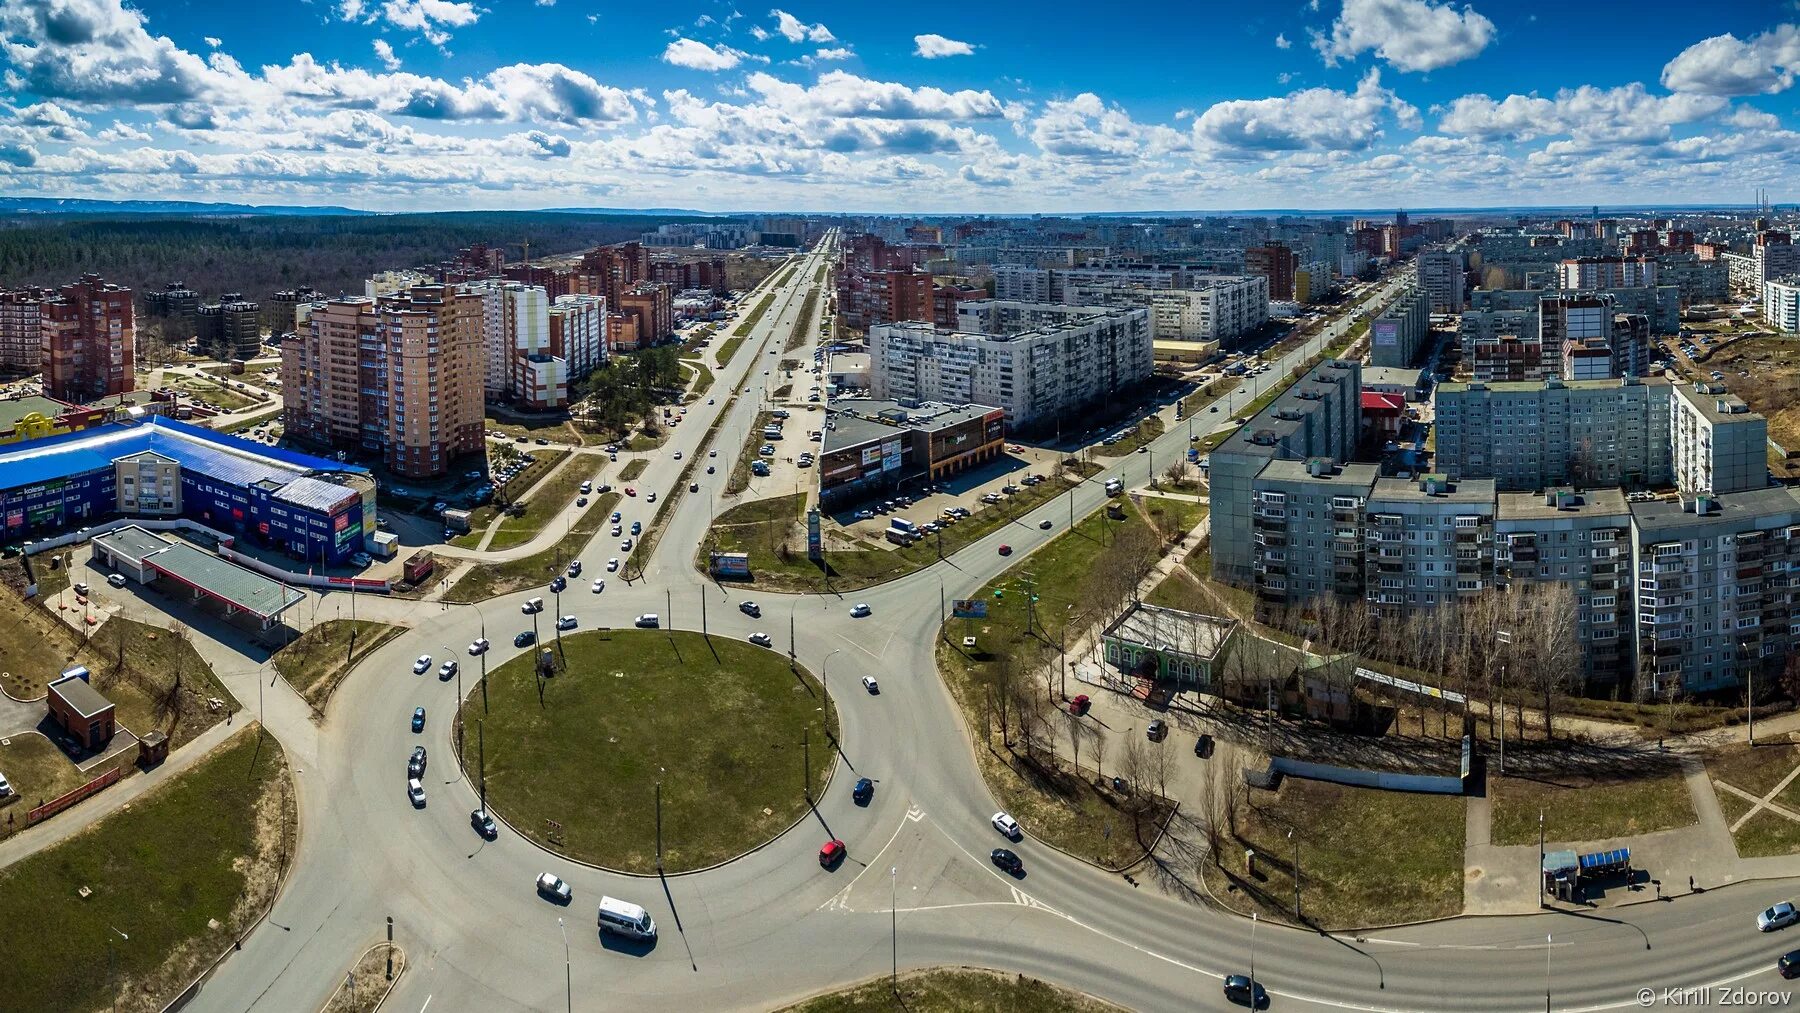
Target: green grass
188,854
1171,517
542,461
213,392
955,990
633,469
1367,857
321,657
727,348
39,772
486,580
739,479
803,322
743,328
549,498
1146,431
34,648
1589,809
556,429
721,720
155,679
703,378
1758,770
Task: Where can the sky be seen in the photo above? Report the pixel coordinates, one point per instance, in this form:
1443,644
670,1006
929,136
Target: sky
1046,107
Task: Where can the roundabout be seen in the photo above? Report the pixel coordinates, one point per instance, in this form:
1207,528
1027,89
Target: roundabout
726,739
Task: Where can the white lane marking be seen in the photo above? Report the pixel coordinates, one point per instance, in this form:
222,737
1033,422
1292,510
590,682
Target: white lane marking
427,1003
840,901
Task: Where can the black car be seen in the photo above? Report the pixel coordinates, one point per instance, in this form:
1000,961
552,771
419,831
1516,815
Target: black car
557,584
1241,990
864,791
415,767
1203,746
1789,964
524,638
1007,861
484,824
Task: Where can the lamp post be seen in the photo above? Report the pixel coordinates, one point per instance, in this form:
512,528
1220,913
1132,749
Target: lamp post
1253,959
484,654
1548,940
1296,841
659,861
568,968
894,918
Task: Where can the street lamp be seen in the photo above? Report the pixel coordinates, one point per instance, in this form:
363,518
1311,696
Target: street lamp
568,968
894,916
1296,841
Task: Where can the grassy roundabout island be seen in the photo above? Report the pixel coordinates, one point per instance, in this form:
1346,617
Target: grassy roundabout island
720,721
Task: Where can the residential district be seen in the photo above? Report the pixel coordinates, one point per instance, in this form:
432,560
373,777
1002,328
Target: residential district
1193,612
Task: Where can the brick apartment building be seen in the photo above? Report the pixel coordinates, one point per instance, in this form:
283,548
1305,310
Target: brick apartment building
89,346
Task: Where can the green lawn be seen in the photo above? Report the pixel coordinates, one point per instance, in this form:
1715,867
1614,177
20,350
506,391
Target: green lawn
743,328
34,648
956,990
554,428
541,462
727,348
703,378
486,580
546,501
155,679
1758,770
1171,517
213,392
1588,809
721,719
184,857
633,469
1367,857
1146,432
803,322
319,659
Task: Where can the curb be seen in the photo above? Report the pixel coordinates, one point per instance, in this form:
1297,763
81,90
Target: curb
932,969
404,963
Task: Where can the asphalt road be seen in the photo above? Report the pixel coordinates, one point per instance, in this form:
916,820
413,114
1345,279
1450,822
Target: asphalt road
773,926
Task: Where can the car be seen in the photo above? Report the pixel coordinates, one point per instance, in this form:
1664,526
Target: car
862,791
558,584
750,609
1005,549
616,517
1143,449
1203,746
865,515
1006,861
709,400
360,560
552,888
448,669
859,610
567,623
647,621
1080,704
599,584
677,455
761,640
581,501
631,490
1778,917
1157,731
693,487
637,527
709,469
116,579
418,719
617,530
869,683
416,792
1244,991
612,565
625,546
478,646
1008,827
650,498
532,606
712,453
415,764
1044,524
484,823
831,853
524,639
574,568
423,665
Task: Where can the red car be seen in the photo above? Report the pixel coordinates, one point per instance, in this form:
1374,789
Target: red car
1006,550
1080,704
629,491
831,854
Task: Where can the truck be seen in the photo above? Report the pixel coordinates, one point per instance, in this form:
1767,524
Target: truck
1114,487
902,536
904,525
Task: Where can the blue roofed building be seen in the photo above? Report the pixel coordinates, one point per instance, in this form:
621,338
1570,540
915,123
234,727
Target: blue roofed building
313,509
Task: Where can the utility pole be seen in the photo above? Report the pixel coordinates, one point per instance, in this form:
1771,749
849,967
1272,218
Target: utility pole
703,611
1253,960
791,655
894,917
806,760
481,761
1750,707
1540,858
659,857
1548,940
568,968
668,605
559,646
1296,841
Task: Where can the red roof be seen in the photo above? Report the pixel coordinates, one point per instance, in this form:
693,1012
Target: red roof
1375,401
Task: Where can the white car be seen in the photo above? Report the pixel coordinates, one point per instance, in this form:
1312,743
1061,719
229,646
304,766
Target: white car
617,530
416,792
871,685
650,498
1778,917
116,579
5,788
599,584
567,623
761,640
423,665
625,546
612,565
677,455
859,610
648,621
712,453
1008,827
552,886
480,646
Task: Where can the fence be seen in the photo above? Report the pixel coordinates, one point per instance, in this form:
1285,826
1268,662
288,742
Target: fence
1431,784
56,805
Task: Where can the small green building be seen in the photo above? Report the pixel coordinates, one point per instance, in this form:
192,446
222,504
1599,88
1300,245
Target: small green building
1182,650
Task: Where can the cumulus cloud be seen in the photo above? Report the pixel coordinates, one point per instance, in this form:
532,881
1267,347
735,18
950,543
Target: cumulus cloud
1087,128
1627,114
842,94
932,47
385,53
213,41
1408,35
432,19
1726,65
795,30
697,55
545,92
542,145
1281,42
121,132
51,121
96,51
1309,119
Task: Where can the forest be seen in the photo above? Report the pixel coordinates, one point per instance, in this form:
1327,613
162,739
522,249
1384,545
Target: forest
259,255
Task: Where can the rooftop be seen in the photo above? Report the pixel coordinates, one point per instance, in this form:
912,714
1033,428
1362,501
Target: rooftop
1533,386
1360,476
76,692
233,584
1402,490
854,421
133,542
13,409
1709,399
1733,508
1516,506
1166,629
1406,377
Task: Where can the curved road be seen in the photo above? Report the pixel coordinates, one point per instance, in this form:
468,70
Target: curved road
773,926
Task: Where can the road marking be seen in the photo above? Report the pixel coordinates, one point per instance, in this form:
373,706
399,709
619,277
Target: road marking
427,1003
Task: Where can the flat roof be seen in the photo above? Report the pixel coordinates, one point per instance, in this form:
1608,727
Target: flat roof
1391,376
1363,475
13,409
1526,386
222,579
1514,506
1166,629
1733,507
133,542
76,692
1468,490
1706,402
855,421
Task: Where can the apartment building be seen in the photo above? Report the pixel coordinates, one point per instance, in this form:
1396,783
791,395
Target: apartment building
1781,304
89,341
1607,272
176,305
1699,281
1508,358
653,303
1428,541
1400,333
1718,444
1039,362
578,333
22,329
1529,435
1186,303
230,328
285,306
1318,416
1579,537
1307,539
1442,272
1772,255
1277,263
525,316
1715,598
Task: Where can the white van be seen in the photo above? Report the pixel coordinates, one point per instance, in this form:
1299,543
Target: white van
626,919
534,605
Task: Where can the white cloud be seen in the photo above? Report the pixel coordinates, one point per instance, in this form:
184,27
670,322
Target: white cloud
1726,65
432,19
120,132
842,94
1281,42
385,53
795,30
1623,115
544,92
95,51
697,55
1746,118
1309,119
931,47
213,41
1089,129
828,55
1409,35
50,121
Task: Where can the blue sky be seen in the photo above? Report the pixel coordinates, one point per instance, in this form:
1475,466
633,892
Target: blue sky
1049,106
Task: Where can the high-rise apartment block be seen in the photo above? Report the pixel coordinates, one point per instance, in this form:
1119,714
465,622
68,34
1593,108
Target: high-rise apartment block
1037,361
176,305
230,328
1781,304
1582,538
89,341
1607,272
22,329
1429,541
578,334
1306,519
1719,445
1185,303
1277,263
1526,436
1441,275
1772,255
1400,332
285,305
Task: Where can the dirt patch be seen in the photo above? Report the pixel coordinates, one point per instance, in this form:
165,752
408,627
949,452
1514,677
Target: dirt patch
366,984
1772,383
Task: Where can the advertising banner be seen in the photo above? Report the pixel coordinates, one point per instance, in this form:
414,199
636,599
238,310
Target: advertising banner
969,608
731,564
1386,332
890,455
870,455
815,541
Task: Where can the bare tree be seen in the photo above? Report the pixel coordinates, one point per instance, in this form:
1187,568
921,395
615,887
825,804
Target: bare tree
1135,763
1099,743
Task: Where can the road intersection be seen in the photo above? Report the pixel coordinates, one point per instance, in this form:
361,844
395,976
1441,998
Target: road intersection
772,926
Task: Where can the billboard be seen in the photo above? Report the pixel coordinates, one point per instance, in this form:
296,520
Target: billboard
969,608
871,455
815,542
890,455
731,564
1386,332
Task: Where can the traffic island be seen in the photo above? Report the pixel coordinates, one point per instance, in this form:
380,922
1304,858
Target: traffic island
955,990
735,734
367,985
485,580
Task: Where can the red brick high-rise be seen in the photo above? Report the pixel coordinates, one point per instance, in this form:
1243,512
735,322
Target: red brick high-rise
1277,263
89,346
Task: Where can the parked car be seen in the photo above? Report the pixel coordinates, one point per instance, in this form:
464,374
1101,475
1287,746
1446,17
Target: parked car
1008,827
1157,731
831,853
552,887
1778,917
484,823
1007,861
116,579
1080,704
418,720
423,665
1203,746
